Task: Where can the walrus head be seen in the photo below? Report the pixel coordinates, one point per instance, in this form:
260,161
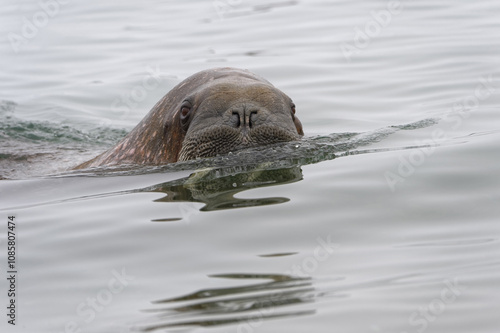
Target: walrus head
235,113
210,113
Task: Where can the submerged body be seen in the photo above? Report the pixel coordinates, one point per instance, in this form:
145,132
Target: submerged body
210,113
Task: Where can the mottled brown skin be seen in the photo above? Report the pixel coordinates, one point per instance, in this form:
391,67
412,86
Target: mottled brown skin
210,113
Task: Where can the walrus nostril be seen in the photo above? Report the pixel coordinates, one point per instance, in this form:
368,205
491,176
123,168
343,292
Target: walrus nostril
252,119
245,117
235,119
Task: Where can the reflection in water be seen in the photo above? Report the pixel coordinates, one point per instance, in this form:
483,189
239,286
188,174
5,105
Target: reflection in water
224,176
217,191
273,298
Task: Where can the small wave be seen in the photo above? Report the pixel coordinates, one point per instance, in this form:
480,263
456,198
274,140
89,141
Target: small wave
46,132
60,147
309,150
35,148
418,124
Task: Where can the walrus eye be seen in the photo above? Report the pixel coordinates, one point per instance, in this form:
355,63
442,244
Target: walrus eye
185,116
293,111
296,121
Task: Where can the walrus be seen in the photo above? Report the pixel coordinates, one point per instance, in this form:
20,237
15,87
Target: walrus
212,112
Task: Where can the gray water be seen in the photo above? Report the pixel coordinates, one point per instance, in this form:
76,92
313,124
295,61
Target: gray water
384,219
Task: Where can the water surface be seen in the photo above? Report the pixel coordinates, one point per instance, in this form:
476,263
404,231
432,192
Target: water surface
384,219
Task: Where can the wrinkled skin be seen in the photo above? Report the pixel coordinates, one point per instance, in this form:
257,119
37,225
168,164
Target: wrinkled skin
211,113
